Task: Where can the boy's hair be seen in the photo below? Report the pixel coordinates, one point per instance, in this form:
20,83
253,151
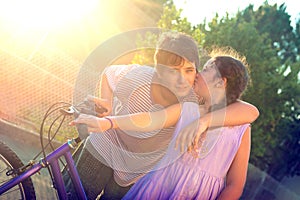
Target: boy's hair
173,47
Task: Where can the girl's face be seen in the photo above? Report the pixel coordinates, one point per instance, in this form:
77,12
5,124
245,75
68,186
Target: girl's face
206,80
179,79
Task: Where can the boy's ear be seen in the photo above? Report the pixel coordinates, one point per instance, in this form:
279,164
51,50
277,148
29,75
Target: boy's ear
224,81
221,83
158,74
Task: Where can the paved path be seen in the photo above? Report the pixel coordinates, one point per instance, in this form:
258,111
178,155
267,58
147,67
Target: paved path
27,147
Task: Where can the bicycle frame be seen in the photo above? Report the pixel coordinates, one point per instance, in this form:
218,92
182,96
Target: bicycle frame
52,161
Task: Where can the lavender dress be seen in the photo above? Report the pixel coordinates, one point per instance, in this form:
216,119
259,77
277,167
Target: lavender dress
187,176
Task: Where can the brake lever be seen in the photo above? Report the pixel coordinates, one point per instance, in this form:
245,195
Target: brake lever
81,128
90,109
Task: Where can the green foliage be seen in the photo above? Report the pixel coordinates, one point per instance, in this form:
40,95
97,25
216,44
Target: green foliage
274,21
281,92
145,55
172,20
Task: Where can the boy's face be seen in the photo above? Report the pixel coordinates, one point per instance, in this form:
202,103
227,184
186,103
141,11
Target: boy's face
179,79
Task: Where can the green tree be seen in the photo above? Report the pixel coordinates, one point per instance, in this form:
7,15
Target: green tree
171,20
275,21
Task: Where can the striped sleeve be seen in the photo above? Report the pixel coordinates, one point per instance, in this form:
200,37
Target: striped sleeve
114,73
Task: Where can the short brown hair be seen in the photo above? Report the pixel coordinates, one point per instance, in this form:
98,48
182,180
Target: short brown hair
173,47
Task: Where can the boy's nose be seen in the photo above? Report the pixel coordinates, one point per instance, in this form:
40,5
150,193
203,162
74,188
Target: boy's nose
181,78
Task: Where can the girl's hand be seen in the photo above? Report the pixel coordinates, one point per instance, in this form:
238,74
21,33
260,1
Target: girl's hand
94,124
101,104
190,135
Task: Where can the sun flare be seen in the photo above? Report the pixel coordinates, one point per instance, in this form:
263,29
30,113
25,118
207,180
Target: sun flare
43,14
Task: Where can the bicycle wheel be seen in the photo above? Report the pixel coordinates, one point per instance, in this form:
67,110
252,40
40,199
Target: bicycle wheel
9,160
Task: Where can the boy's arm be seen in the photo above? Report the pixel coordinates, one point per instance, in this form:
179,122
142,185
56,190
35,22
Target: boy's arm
108,82
148,121
105,97
141,122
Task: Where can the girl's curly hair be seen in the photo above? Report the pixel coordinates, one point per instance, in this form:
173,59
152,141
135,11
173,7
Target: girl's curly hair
235,69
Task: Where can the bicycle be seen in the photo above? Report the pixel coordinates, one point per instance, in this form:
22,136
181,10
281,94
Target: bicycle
18,183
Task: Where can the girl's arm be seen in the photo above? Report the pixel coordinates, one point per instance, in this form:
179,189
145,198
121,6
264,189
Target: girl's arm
237,174
234,114
237,113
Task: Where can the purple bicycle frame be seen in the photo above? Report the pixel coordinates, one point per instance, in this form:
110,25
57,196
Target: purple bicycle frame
52,161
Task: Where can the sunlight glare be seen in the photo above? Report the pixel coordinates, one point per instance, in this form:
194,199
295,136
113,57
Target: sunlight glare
44,14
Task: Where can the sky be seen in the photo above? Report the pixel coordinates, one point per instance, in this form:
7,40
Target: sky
196,11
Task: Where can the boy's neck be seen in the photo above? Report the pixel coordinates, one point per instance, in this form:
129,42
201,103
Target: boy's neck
162,95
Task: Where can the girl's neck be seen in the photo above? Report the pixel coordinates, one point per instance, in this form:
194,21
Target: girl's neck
217,98
215,105
206,106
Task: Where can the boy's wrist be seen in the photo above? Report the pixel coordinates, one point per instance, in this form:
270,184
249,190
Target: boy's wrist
111,124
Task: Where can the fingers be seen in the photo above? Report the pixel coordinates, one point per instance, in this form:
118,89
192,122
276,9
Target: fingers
180,141
202,127
190,136
103,114
98,101
81,119
102,107
94,124
201,140
196,140
190,141
190,148
184,140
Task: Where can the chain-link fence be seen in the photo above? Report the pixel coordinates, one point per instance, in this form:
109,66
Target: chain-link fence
31,81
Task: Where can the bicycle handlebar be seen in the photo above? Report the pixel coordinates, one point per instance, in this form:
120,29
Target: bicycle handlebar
89,108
